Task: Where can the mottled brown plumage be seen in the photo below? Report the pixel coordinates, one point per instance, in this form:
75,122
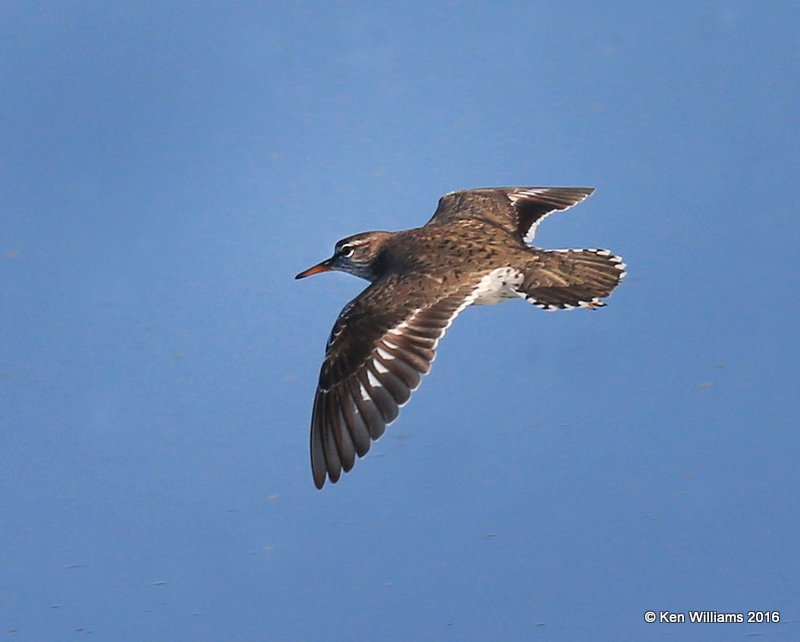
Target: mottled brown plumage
473,251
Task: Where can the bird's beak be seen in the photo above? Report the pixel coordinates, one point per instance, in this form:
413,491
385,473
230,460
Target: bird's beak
325,266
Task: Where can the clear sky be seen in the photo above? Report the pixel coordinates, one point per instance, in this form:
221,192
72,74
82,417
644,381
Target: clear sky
166,169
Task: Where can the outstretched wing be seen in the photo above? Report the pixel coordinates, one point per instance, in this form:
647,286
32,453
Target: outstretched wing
381,345
517,209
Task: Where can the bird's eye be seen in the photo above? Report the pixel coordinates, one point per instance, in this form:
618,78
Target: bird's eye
347,251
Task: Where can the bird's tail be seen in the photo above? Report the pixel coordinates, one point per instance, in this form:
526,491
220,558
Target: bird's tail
566,279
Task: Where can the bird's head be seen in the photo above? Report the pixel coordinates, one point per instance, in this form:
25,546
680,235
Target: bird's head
359,255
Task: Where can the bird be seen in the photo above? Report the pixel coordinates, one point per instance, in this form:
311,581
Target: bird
473,251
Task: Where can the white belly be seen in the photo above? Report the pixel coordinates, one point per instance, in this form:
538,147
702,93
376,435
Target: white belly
497,286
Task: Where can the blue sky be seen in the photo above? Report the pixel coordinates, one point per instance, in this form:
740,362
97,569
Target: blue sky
167,169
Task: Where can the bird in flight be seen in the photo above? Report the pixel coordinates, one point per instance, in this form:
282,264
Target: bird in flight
473,251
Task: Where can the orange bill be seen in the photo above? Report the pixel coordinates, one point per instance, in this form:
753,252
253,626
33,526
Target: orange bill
325,266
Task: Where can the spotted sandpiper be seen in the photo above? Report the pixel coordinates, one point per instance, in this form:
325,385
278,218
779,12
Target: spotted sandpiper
473,251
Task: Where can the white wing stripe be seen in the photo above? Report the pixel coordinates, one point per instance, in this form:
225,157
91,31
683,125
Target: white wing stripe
373,380
383,354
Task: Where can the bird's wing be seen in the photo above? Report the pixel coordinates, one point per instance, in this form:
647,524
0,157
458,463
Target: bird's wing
516,209
381,345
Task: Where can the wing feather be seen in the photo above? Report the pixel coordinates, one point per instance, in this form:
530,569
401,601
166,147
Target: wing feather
517,209
382,344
